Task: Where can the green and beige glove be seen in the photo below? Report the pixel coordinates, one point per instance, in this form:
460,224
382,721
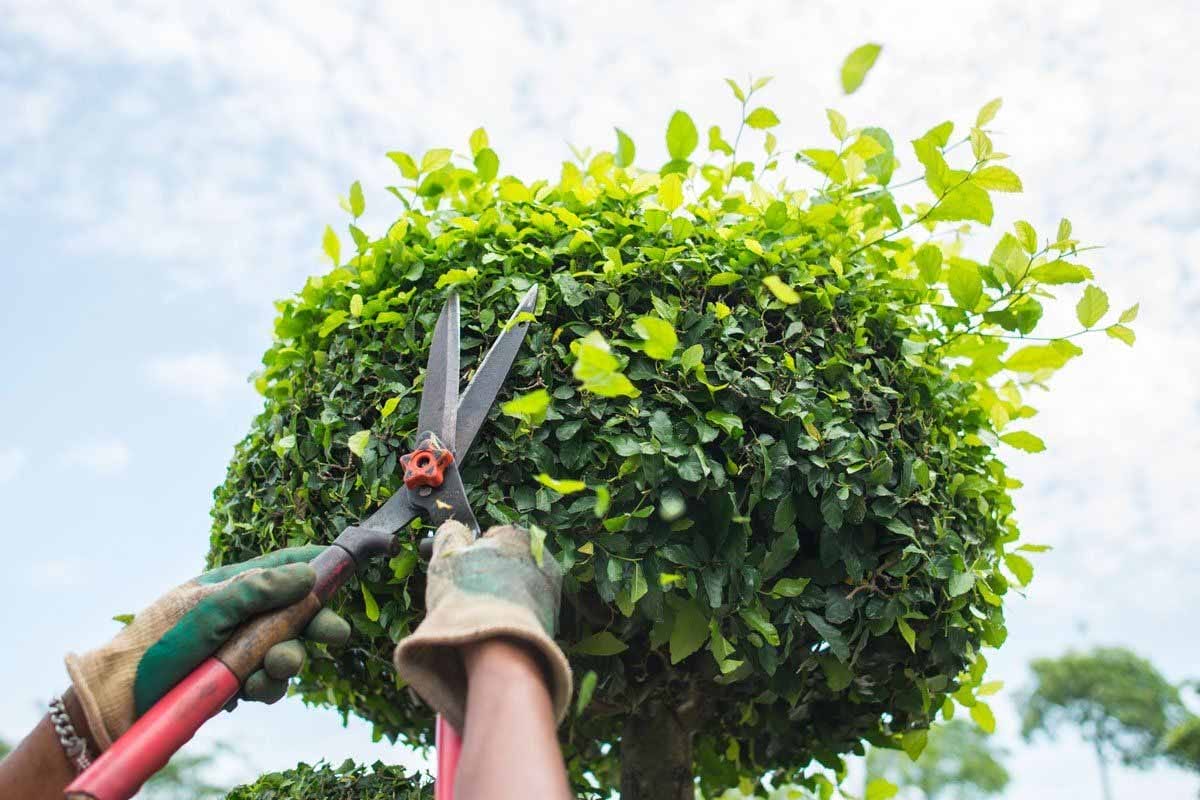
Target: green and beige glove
120,681
480,589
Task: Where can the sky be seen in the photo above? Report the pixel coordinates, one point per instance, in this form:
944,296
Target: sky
166,170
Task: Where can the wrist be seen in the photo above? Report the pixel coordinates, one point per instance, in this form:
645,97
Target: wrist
502,658
79,720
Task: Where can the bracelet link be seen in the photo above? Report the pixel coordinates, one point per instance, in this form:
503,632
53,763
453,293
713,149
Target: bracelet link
72,743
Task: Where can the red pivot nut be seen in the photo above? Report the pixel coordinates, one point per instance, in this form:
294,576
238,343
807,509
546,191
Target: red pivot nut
425,466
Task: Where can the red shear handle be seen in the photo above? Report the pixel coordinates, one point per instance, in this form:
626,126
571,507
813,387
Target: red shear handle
449,747
151,741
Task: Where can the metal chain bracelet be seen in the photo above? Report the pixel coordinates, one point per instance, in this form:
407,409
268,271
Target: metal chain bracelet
72,743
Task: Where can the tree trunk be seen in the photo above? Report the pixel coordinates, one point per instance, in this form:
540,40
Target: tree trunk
656,756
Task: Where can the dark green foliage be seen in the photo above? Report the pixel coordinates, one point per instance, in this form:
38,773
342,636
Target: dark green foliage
796,517
347,782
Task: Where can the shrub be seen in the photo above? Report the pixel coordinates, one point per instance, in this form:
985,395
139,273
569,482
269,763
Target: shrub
759,427
347,782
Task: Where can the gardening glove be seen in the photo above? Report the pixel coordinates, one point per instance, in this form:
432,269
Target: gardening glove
479,589
120,681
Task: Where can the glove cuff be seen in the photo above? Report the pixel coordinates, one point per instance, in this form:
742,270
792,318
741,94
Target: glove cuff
430,661
78,668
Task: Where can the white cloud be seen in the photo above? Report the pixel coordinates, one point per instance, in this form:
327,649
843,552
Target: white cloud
103,456
12,459
211,377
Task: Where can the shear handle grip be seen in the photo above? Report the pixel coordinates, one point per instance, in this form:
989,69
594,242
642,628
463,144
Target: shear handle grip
170,723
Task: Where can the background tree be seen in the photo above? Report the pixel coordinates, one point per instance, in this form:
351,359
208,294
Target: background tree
758,425
4,748
1119,703
959,761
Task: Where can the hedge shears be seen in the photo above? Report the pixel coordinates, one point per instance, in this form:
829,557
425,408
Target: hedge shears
433,492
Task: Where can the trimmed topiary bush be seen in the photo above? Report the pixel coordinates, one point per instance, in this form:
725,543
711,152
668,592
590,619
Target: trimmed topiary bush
759,427
347,782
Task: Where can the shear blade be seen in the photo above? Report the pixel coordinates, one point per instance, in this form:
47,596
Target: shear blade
439,396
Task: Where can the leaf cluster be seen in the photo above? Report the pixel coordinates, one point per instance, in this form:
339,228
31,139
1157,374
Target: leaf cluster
347,782
758,426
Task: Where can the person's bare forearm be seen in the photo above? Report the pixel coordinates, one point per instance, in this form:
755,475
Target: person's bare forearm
38,769
510,749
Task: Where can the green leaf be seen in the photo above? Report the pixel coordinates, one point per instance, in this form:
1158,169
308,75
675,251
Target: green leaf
478,141
682,136
358,442
730,423
587,688
1037,357
1026,235
965,283
790,587
880,789
907,633
625,149
758,622
369,603
530,407
537,543
1020,567
562,486
670,191
403,565
762,118
1060,272
737,90
408,167
688,632
913,743
598,370
1121,332
1092,306
982,714
603,499
658,336
960,583
783,549
603,643
487,164
1024,440
837,125
357,203
995,178
283,444
1035,548
435,159
1129,314
783,293
455,277
857,65
988,112
838,676
124,619
724,279
929,263
331,246
964,202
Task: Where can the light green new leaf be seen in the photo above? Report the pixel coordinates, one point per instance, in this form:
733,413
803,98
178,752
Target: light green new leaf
435,159
881,789
961,583
988,112
331,246
370,605
603,499
724,279
1024,440
1020,567
389,407
689,631
587,688
908,634
358,442
783,293
408,167
561,485
682,136
659,338
625,149
603,643
537,543
598,370
478,141
838,126
1092,306
762,118
357,204
995,178
454,277
1123,333
965,283
856,66
758,622
1056,273
283,444
487,164
530,408
124,619
914,743
670,191
1026,235
1037,357
1129,314
984,718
